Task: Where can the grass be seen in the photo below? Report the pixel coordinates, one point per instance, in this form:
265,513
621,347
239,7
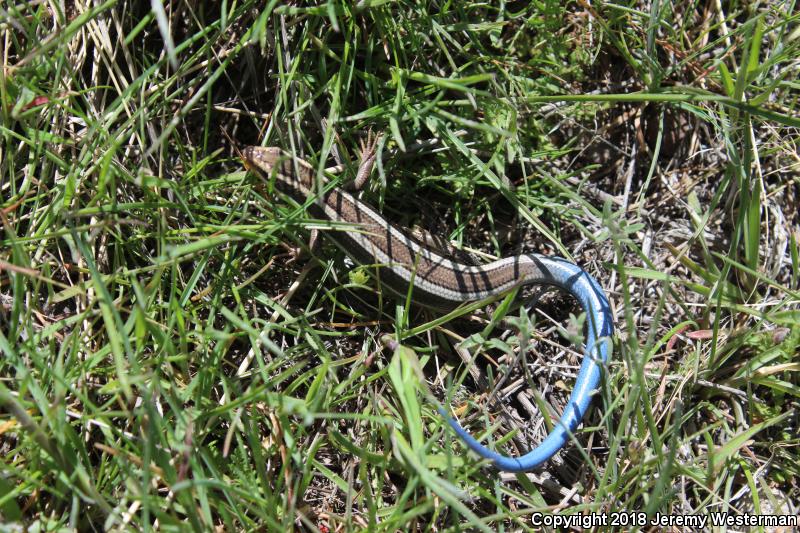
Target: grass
167,364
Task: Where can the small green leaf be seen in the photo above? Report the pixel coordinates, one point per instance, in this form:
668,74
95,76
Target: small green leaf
726,79
358,276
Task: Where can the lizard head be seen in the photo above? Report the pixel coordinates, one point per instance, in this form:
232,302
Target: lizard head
291,174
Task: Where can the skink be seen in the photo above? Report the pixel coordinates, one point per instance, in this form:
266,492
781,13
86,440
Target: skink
443,283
